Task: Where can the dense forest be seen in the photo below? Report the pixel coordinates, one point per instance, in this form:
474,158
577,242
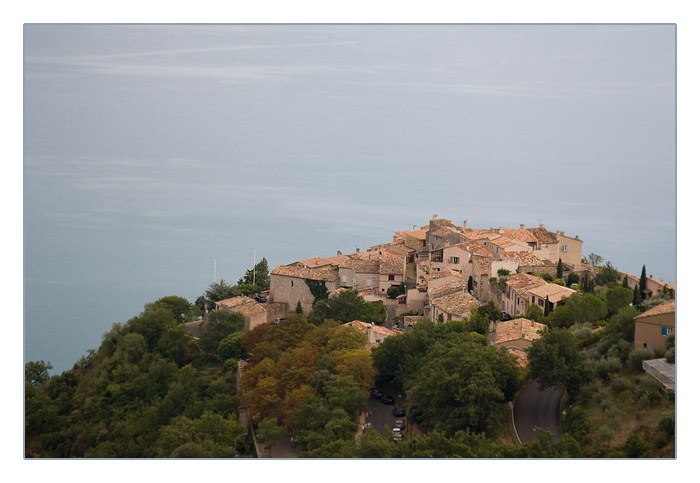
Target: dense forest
151,390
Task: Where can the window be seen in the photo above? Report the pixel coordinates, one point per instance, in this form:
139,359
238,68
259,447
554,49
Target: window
454,259
565,248
391,277
292,283
666,330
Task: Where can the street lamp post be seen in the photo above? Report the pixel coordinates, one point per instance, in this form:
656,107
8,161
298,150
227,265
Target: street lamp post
235,443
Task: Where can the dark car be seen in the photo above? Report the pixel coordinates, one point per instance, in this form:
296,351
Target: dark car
400,412
376,394
388,399
260,298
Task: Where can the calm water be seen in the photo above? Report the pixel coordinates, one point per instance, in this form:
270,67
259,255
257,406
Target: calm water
149,152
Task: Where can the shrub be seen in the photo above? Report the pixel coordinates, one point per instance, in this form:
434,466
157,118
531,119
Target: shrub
620,384
636,446
605,368
667,422
637,356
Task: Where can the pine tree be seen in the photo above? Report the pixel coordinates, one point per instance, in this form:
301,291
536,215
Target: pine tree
299,309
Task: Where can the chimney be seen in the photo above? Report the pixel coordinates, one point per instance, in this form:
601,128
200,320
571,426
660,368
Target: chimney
435,217
522,226
339,252
541,225
577,237
357,250
464,224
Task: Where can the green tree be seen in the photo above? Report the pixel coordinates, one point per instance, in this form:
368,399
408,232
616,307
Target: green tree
347,306
269,433
560,269
534,312
461,384
572,279
259,275
36,373
579,307
343,392
636,297
555,360
643,282
617,297
625,282
607,274
181,308
219,325
621,326
299,309
232,346
593,260
215,293
470,284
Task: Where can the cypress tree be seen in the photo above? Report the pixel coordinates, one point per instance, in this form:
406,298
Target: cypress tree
299,309
560,269
546,306
470,284
625,282
636,297
643,281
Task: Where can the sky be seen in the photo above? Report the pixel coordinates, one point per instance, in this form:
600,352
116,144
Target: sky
158,158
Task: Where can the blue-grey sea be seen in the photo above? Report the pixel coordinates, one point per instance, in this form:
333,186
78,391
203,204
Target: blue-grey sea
152,151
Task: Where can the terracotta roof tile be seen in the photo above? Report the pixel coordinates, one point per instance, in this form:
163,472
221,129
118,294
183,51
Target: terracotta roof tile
517,329
362,265
554,291
456,303
543,235
306,273
668,307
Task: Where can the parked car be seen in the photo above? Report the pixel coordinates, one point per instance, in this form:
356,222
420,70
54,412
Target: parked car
388,399
399,423
260,298
376,394
400,412
278,320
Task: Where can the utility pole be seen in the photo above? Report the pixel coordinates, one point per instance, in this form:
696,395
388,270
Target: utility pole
253,267
215,270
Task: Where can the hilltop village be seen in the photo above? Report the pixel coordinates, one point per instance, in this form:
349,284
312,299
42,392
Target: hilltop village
440,272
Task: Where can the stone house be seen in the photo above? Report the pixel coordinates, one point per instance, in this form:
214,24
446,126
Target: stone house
653,326
376,334
515,335
391,271
517,294
549,291
569,248
288,285
451,301
360,273
253,312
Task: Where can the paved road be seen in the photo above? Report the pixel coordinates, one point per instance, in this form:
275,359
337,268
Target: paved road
381,414
535,408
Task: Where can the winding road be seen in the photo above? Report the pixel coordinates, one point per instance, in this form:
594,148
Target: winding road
535,408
